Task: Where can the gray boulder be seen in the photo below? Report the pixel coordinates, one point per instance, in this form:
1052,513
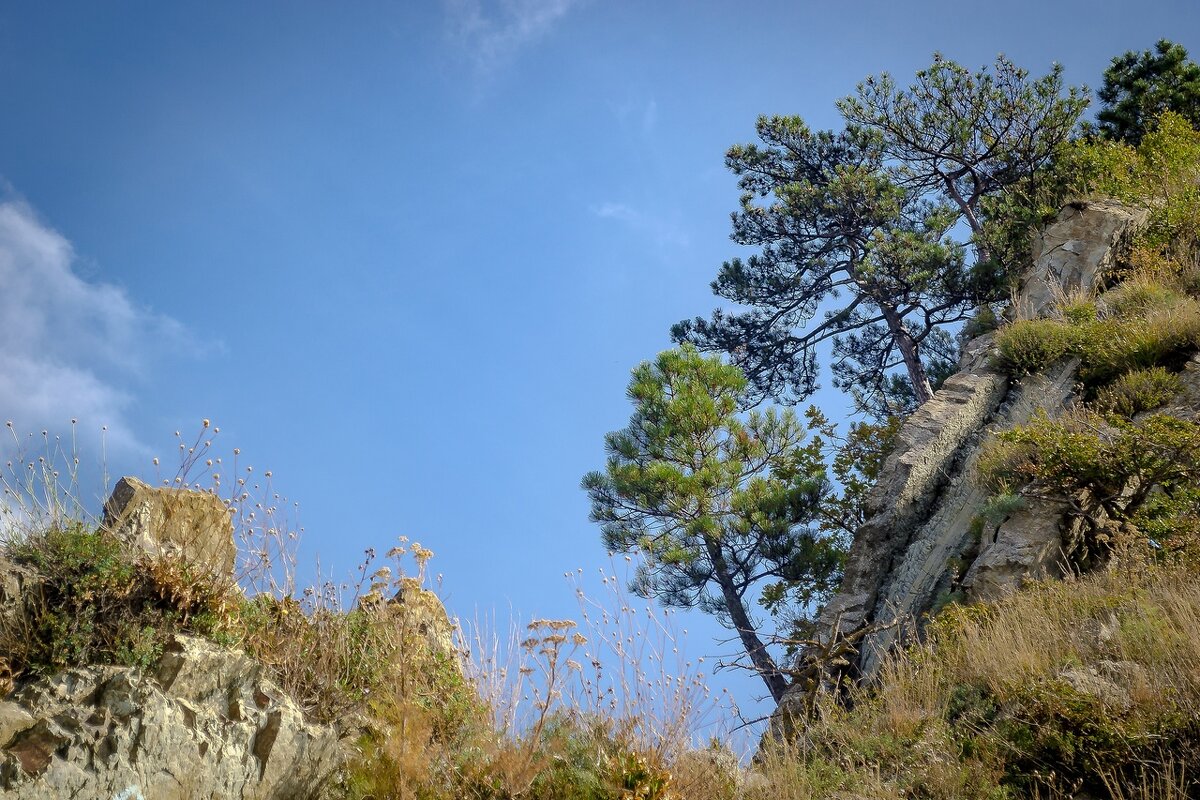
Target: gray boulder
204,723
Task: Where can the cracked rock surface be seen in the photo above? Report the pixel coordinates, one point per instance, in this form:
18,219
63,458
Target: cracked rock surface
203,723
918,543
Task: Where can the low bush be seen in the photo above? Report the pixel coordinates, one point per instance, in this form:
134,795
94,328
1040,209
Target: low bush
1113,347
1105,471
1068,688
99,601
1139,325
1137,391
1029,346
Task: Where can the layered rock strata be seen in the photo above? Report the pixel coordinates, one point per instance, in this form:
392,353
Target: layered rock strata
921,539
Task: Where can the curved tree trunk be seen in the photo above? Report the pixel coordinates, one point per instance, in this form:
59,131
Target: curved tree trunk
760,659
911,355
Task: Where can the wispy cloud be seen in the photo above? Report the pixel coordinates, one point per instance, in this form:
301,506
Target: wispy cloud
492,33
67,345
664,232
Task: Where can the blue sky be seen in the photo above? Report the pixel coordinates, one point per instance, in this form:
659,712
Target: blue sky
405,254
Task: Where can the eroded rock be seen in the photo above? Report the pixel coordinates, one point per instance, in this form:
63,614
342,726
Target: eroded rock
1073,253
96,732
195,526
921,539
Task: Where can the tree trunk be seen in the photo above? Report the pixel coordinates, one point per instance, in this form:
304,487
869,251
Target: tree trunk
760,659
982,253
912,358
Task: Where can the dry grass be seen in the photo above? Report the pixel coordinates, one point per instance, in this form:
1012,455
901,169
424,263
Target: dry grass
1090,684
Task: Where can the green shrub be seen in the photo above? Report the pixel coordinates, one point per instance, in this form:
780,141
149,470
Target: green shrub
1141,297
1078,311
1137,391
1162,173
1107,471
1029,346
103,602
1112,347
985,321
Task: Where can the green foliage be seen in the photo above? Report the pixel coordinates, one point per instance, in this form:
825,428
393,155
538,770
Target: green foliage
1171,520
101,602
985,321
1029,346
1141,324
1137,391
828,218
276,630
1078,311
868,211
1001,505
1140,298
1113,347
967,135
1097,466
1162,173
713,501
857,461
1138,87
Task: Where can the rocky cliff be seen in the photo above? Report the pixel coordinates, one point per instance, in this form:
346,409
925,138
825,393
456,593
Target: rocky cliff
193,719
204,722
927,537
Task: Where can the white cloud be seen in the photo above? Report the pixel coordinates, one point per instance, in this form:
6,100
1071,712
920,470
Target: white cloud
664,232
492,33
67,345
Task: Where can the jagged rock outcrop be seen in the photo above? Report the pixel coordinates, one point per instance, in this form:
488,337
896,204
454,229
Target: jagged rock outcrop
921,539
203,723
193,525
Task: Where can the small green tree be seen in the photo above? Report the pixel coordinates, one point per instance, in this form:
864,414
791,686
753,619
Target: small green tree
1138,87
715,502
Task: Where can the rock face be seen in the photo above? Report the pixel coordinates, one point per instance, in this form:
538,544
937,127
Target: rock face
194,525
204,723
1075,251
921,539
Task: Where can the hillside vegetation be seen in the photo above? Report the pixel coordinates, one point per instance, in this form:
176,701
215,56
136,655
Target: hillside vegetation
1088,687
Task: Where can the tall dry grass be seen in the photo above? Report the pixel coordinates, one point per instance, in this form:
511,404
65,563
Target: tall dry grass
1081,686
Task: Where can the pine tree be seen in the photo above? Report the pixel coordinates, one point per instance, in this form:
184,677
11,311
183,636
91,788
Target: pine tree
848,255
714,501
1138,87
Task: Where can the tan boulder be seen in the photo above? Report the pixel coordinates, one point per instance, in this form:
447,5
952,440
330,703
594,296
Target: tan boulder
422,614
195,526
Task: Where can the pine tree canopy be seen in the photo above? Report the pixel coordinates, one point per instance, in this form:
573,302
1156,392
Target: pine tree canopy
1138,87
854,230
714,501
